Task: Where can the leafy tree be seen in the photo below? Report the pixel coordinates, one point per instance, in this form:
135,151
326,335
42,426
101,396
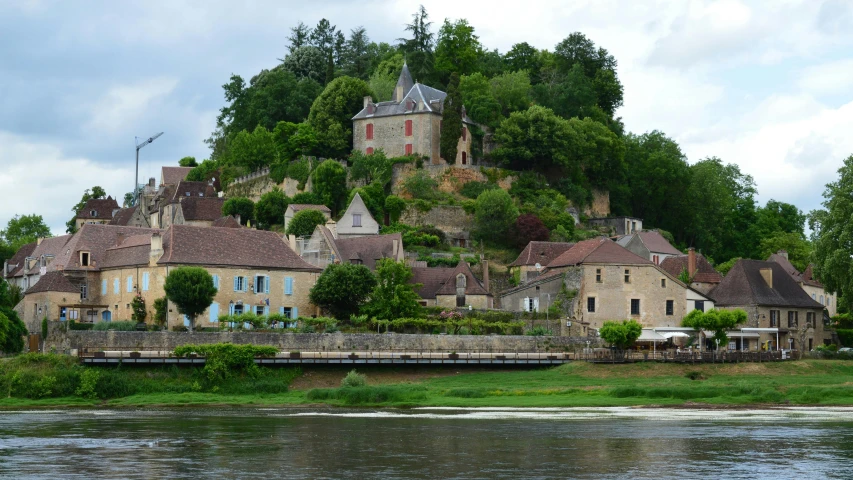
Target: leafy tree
306,62
269,210
537,139
588,77
529,228
241,206
191,290
490,62
479,100
332,112
395,206
12,331
495,213
330,184
620,334
717,321
451,117
382,85
140,312
21,230
375,167
293,140
799,250
357,54
457,48
96,193
393,297
308,198
419,48
373,195
523,56
342,289
831,230
128,200
299,36
420,185
323,37
304,222
254,150
724,267
10,295
204,171
160,313
188,162
781,217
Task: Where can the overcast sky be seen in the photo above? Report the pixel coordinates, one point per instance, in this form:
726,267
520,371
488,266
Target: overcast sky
766,85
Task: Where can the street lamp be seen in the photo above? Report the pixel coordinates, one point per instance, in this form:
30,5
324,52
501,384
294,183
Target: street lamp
136,180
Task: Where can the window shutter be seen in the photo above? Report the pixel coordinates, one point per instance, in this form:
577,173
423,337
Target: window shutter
536,304
408,128
266,284
230,309
294,313
235,283
216,282
145,281
288,285
186,321
103,287
524,304
245,284
115,286
214,312
281,310
266,310
370,150
129,283
408,149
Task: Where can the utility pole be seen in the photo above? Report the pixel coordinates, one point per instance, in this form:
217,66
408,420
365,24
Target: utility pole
136,180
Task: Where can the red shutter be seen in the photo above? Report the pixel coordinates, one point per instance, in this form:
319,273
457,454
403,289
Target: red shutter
369,131
464,158
408,149
370,150
408,128
464,133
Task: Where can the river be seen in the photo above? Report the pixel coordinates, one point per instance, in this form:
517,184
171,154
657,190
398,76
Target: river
427,443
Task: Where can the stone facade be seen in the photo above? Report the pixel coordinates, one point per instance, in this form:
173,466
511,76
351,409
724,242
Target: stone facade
619,225
760,316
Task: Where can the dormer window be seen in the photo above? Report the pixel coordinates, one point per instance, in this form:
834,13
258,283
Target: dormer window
200,194
93,213
188,194
84,259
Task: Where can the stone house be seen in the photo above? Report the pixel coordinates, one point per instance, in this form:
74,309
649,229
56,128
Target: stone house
97,210
107,266
772,300
34,260
618,225
703,276
598,280
648,244
195,211
807,281
131,217
408,124
357,220
453,287
173,175
324,247
295,208
524,268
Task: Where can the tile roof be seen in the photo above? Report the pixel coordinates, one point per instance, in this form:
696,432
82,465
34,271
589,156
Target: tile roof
49,246
744,285
655,242
431,279
233,247
540,252
226,222
368,249
549,275
123,216
296,207
16,263
202,208
808,277
473,286
186,189
95,239
102,207
705,273
173,175
53,282
597,250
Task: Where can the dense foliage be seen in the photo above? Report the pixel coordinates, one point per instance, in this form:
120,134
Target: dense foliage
717,321
621,335
191,290
304,222
342,289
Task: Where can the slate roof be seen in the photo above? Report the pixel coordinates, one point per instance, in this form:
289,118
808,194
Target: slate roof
405,79
226,222
653,241
103,208
297,207
540,252
53,282
17,261
233,247
185,189
473,286
174,175
705,273
368,249
744,285
597,250
202,208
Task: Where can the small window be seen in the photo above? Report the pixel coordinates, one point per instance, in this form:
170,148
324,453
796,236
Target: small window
635,306
84,259
810,319
200,194
597,275
627,276
792,319
369,150
93,213
356,219
356,261
259,310
662,283
408,128
590,304
670,307
821,299
262,284
699,305
369,133
774,318
656,259
409,149
84,292
464,133
464,158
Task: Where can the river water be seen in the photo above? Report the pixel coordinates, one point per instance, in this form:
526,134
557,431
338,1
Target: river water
427,443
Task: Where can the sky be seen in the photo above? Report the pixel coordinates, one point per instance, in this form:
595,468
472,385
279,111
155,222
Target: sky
765,85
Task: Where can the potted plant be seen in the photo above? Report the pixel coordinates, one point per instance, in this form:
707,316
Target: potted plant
352,356
136,354
295,354
453,356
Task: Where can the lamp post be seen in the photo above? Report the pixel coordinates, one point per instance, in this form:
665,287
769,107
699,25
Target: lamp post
139,147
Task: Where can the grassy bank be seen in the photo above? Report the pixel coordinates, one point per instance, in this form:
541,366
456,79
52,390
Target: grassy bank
43,381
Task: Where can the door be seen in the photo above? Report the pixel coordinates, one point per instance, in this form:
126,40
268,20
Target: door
106,316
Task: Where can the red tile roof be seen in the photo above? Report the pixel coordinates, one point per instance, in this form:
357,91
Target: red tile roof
123,216
53,246
186,189
431,279
473,286
173,175
369,248
597,250
202,208
16,263
53,282
102,207
540,252
705,273
95,239
226,222
655,242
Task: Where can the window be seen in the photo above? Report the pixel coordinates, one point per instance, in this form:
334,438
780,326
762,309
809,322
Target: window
115,285
699,305
670,307
262,284
590,304
84,292
145,281
214,312
240,284
814,297
188,194
369,150
662,283
84,259
821,299
597,275
356,261
288,285
259,310
464,158
635,306
93,213
792,319
408,149
656,259
464,133
627,276
103,287
130,284
369,132
238,309
810,319
356,219
774,318
408,128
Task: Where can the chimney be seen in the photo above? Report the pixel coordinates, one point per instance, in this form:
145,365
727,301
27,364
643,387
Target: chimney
691,262
151,182
156,248
486,274
333,227
367,101
291,242
767,274
783,253
38,240
394,248
420,105
398,93
155,220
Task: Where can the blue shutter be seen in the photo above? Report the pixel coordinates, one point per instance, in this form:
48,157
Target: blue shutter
186,321
214,312
281,310
115,286
266,310
103,287
266,284
216,282
288,285
145,282
129,283
235,283
230,309
294,313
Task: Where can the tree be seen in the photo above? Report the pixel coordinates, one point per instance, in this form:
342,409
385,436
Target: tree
304,222
342,289
620,334
330,184
529,228
595,69
323,37
96,193
451,118
191,290
254,150
293,140
523,56
717,321
25,229
356,54
306,62
393,297
332,112
298,37
537,139
512,91
780,217
269,210
419,48
799,250
374,167
12,331
188,162
10,295
457,48
831,230
479,100
495,213
140,311
203,172
241,206
395,206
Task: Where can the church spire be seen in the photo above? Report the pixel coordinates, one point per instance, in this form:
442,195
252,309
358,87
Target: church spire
404,83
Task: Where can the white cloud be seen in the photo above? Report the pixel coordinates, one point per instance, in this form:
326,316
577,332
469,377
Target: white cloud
123,105
828,78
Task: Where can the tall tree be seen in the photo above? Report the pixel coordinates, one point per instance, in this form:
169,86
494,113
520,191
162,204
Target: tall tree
24,229
495,214
357,56
512,91
96,193
306,62
479,100
323,37
188,162
330,184
523,56
299,36
457,49
191,290
537,139
342,289
254,150
269,210
393,297
451,118
419,48
332,112
831,233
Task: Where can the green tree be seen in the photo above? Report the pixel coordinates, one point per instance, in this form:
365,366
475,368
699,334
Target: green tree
780,217
495,214
191,290
799,249
323,37
332,112
241,206
588,78
393,297
96,193
294,139
419,48
356,62
375,167
342,289
717,321
304,222
457,48
299,36
537,139
451,117
523,56
12,331
512,91
330,184
395,206
21,230
269,210
254,150
203,172
479,100
621,335
306,62
188,162
724,267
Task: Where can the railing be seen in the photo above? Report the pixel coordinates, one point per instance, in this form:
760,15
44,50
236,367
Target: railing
615,356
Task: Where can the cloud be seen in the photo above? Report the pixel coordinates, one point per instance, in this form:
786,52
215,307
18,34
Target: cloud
123,105
828,78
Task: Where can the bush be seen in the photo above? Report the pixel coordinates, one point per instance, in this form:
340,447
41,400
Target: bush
539,331
395,206
495,215
121,326
421,185
306,198
304,222
222,360
474,189
72,325
354,379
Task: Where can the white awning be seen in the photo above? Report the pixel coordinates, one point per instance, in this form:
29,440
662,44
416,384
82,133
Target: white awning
674,329
650,335
765,330
734,334
675,334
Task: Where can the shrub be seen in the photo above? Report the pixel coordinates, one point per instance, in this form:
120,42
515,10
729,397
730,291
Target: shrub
354,379
529,228
304,222
421,185
306,198
474,189
495,214
539,331
395,206
119,326
223,359
239,206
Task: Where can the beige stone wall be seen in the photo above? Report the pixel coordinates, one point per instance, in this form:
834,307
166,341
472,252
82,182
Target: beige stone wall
821,296
600,206
36,306
389,134
480,302
759,317
82,221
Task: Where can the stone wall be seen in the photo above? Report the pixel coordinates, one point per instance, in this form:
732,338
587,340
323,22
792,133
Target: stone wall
450,219
257,186
308,342
450,178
